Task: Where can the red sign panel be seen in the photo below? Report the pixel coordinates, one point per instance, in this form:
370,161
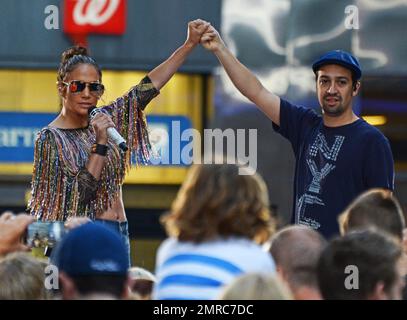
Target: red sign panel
82,17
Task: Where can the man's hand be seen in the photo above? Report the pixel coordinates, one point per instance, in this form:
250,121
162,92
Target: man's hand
12,228
211,40
196,29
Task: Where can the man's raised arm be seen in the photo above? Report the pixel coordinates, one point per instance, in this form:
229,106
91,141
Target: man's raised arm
243,79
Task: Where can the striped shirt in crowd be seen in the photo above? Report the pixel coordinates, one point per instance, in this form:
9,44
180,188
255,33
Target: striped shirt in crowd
187,270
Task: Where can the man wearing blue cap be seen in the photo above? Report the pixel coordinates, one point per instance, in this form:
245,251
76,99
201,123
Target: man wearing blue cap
338,155
92,264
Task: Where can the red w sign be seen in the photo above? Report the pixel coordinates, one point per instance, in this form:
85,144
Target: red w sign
82,17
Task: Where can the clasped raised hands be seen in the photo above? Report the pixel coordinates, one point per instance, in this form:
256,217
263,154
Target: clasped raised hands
201,31
211,40
196,29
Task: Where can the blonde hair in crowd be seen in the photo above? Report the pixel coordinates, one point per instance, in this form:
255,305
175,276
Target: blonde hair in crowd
257,286
22,278
215,201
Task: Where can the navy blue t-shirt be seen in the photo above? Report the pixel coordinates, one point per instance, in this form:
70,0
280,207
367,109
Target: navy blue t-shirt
333,165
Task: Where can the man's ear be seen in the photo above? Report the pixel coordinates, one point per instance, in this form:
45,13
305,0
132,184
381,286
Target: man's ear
127,288
404,242
356,89
280,271
68,287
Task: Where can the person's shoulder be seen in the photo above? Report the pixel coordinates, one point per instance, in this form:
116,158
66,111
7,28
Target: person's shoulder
171,247
299,108
144,85
46,133
167,245
248,246
370,132
290,105
250,255
51,137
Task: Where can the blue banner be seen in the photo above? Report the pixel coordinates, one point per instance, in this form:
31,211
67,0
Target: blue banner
18,131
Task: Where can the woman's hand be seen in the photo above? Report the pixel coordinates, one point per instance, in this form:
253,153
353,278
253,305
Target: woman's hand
196,29
211,40
100,123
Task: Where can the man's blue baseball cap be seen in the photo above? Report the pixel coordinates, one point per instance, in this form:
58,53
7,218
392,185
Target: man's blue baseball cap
91,249
342,58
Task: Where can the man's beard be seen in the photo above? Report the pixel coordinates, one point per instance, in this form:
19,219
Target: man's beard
335,111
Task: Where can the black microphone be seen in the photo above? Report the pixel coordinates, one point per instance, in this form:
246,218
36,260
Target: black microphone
111,132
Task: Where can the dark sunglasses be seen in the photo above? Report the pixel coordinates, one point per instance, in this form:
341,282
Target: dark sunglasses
76,86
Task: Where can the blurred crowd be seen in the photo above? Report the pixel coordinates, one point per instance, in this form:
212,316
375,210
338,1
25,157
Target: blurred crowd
223,243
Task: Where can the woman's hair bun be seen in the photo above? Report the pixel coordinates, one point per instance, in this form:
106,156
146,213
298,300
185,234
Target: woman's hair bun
73,51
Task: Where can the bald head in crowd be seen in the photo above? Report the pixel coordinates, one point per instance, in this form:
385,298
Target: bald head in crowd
296,250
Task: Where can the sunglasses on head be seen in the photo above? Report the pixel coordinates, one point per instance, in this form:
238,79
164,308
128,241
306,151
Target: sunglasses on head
76,86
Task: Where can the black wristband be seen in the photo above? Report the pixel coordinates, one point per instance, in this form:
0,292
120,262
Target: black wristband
100,149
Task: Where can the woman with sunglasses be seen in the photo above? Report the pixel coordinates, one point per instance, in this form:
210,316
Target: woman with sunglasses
78,171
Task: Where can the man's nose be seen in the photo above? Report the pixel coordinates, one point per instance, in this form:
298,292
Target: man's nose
332,88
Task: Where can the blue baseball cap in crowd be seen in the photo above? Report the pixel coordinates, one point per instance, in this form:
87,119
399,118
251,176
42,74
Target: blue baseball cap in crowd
340,57
91,249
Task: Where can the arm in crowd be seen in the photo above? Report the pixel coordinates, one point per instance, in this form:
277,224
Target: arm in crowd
12,229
